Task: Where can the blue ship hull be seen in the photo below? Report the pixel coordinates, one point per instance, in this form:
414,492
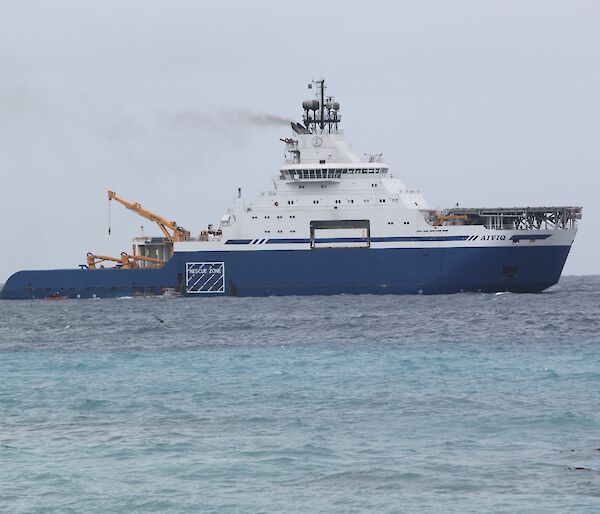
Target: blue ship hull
306,272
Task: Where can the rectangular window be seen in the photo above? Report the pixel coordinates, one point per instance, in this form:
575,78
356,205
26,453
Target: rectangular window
340,234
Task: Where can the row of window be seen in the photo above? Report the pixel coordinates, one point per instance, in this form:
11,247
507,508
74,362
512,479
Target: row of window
279,231
317,202
293,231
329,173
278,217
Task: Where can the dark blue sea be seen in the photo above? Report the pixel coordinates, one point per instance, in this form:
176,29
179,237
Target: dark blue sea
460,403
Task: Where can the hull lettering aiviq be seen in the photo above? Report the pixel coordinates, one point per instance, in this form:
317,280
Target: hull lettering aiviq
334,223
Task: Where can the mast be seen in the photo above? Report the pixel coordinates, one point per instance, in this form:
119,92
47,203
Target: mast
320,111
322,82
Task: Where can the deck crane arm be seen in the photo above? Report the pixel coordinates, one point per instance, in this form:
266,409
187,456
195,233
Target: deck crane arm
135,258
126,261
179,233
94,260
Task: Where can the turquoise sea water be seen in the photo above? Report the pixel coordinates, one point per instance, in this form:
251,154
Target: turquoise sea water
459,403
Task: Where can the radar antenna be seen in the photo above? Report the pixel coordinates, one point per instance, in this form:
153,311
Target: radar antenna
322,113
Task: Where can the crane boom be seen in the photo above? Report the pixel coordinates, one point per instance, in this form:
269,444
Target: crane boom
178,234
143,258
125,261
94,260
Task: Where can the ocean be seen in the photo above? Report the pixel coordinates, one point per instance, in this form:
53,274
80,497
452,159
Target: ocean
460,403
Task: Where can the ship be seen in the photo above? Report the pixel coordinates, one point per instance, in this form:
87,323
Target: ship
334,223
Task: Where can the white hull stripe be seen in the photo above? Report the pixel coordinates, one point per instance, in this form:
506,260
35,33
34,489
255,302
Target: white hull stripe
398,239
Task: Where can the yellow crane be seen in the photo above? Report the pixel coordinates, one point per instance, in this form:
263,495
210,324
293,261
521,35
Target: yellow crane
94,260
134,258
125,261
171,230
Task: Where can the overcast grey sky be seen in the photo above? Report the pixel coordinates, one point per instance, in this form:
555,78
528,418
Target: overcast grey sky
485,103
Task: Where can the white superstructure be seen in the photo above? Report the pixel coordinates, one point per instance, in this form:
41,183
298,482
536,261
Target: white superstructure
324,179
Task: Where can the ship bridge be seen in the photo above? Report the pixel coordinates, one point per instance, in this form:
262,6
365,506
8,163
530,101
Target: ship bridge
317,150
329,172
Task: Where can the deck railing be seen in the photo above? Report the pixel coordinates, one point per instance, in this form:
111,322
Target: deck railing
516,218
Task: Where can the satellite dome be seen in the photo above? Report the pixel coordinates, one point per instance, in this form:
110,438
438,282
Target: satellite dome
310,105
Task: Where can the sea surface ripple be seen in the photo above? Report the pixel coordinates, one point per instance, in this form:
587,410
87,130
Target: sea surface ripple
460,403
